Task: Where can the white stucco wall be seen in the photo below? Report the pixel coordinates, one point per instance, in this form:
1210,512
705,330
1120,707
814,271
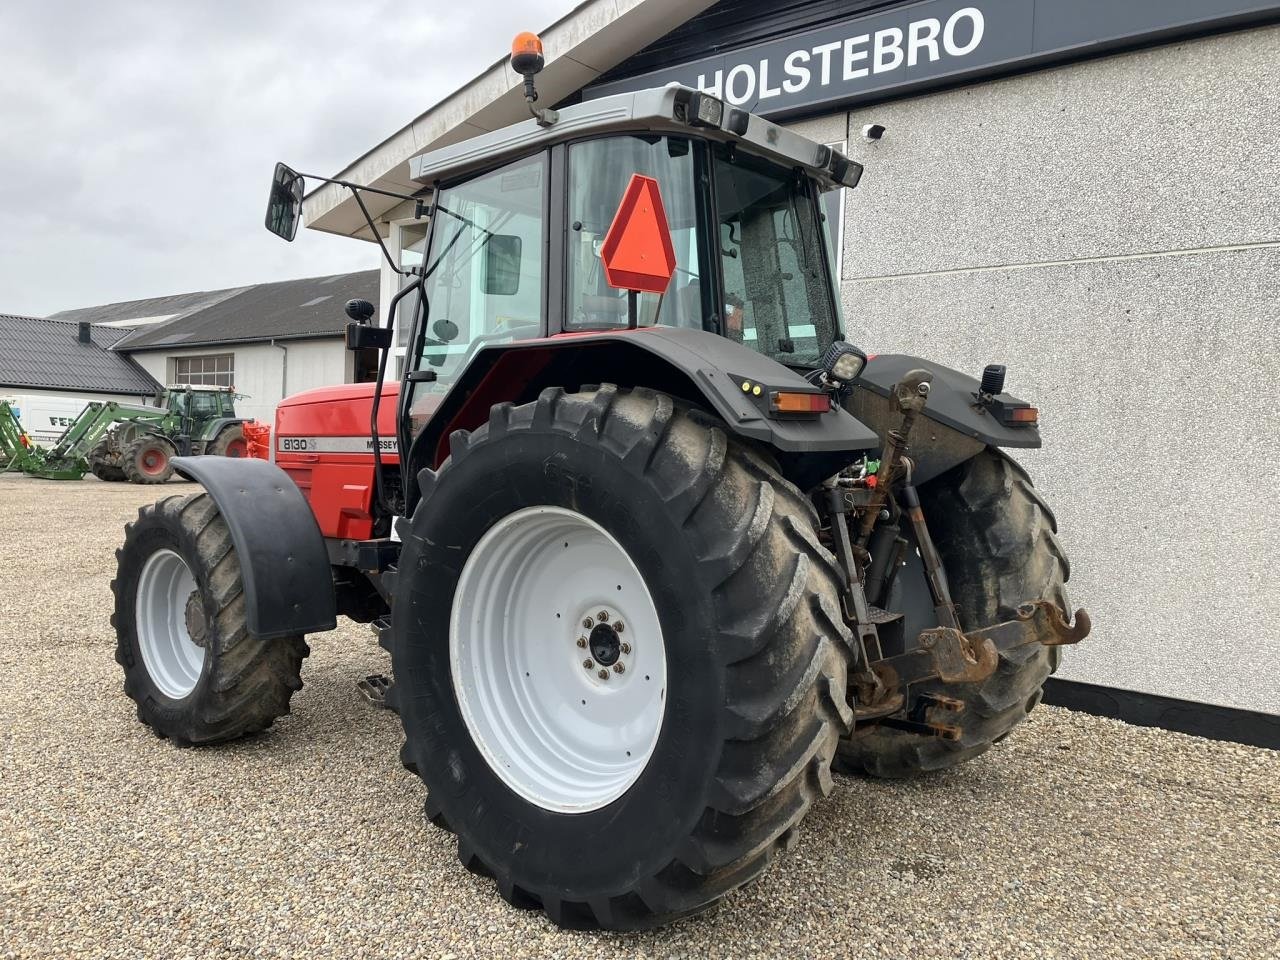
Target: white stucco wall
262,372
1108,229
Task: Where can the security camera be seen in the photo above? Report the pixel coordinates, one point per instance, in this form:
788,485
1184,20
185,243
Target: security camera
873,131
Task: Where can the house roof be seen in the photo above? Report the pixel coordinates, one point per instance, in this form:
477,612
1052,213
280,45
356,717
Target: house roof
285,310
133,313
591,39
48,355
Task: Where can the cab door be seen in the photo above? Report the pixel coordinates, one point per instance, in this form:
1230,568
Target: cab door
486,278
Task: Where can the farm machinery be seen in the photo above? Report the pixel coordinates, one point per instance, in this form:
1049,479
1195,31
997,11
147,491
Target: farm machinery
652,547
118,441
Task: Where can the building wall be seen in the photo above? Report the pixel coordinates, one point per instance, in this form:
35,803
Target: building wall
1111,231
261,370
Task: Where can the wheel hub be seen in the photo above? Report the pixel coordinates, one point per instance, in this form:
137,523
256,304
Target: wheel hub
197,625
605,645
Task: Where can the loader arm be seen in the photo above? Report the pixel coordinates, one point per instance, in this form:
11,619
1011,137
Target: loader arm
67,459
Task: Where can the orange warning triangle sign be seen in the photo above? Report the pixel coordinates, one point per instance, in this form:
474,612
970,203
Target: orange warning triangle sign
637,251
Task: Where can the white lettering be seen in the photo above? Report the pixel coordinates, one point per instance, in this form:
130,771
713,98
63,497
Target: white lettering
923,33
741,70
714,87
825,51
888,42
765,91
852,56
974,16
797,75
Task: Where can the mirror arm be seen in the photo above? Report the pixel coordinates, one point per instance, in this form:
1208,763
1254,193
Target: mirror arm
368,217
377,236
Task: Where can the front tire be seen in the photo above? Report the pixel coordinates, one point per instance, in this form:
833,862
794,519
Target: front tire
189,662
744,614
100,465
148,459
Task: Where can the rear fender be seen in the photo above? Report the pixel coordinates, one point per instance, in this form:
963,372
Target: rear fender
954,428
702,368
288,586
215,427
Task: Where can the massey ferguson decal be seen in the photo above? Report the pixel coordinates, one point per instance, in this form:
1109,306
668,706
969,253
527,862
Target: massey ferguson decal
335,445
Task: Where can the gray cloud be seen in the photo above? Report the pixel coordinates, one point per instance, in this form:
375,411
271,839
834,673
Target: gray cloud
137,138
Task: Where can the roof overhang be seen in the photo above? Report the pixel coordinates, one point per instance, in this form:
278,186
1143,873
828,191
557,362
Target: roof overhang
592,39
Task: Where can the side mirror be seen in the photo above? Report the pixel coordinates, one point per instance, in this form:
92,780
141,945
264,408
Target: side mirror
361,336
361,311
446,331
284,207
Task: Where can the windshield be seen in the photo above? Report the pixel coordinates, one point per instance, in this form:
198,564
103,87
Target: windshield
777,297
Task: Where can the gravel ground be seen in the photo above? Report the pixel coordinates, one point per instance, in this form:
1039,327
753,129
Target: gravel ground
1078,837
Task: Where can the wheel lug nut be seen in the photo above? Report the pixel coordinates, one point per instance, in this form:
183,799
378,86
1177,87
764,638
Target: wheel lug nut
603,616
582,642
619,668
619,626
588,623
588,664
603,674
626,648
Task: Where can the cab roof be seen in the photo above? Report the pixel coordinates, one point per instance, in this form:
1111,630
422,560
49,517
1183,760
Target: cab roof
670,109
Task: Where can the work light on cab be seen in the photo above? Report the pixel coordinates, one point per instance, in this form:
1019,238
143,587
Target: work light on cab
843,362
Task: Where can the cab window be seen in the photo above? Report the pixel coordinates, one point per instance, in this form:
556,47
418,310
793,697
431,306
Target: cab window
599,171
485,269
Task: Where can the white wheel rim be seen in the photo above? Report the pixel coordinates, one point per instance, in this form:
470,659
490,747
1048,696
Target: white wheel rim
555,731
172,660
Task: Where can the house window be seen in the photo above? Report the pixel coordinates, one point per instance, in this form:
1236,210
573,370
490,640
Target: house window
215,371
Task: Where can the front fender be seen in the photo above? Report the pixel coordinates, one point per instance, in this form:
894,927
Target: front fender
288,586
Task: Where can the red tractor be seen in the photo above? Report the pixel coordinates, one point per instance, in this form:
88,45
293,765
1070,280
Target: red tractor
651,546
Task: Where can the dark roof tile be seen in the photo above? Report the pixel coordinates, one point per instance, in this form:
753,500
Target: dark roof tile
48,355
288,309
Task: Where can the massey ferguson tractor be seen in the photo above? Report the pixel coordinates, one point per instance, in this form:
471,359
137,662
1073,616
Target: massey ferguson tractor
652,547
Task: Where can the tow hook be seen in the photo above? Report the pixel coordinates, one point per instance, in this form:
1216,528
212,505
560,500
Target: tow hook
1037,622
955,657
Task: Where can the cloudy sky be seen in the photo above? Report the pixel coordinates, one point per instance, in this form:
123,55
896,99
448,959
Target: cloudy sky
137,138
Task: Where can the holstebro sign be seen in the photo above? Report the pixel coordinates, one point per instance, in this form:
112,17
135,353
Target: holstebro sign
922,42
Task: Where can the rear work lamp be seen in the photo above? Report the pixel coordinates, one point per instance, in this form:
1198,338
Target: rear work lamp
843,362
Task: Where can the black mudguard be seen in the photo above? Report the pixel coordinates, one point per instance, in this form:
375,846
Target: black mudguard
288,586
701,367
958,426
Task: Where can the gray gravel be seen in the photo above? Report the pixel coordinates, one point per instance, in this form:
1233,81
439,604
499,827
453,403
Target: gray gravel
1078,837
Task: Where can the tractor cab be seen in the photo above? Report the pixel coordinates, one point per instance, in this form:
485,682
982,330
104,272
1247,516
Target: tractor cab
198,413
627,230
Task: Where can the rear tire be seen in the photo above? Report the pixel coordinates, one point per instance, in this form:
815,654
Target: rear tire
190,664
101,467
754,650
998,542
148,459
230,443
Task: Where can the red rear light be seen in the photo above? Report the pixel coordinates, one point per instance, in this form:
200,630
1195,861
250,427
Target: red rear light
783,401
1023,415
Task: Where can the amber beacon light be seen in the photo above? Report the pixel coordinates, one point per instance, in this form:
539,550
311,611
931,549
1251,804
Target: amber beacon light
526,54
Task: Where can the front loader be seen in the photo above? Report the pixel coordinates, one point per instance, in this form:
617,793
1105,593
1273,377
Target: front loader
652,547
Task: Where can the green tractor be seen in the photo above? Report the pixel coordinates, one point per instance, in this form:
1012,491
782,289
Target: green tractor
140,446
